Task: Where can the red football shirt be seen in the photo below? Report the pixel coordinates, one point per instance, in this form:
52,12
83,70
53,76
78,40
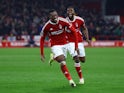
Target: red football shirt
56,33
77,23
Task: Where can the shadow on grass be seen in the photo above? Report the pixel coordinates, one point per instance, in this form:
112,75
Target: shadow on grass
63,89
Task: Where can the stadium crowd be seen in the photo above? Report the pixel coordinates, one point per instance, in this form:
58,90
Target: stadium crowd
26,17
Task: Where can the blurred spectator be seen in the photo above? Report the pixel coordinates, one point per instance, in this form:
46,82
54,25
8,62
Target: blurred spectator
26,17
31,42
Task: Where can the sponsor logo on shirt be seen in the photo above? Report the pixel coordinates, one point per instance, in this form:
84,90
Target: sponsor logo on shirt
51,28
76,24
60,26
57,32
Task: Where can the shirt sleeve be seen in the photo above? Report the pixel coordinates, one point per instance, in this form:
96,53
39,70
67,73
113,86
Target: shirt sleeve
83,23
71,28
43,35
75,35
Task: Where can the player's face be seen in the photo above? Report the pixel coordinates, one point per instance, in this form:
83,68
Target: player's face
54,17
70,12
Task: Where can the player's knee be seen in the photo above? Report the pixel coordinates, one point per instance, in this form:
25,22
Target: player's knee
76,59
60,58
62,63
82,59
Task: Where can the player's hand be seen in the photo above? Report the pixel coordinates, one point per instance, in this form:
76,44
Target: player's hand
42,58
88,41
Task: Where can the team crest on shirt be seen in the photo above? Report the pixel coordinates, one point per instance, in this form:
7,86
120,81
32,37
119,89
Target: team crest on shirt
51,28
76,24
60,26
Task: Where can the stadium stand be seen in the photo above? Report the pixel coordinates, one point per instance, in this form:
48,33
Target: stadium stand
26,17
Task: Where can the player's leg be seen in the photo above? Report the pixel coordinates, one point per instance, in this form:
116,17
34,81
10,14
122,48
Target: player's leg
64,69
71,49
59,57
81,52
51,60
78,69
82,59
81,56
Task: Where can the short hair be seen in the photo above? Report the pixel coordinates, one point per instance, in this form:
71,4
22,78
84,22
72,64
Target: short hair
52,10
70,7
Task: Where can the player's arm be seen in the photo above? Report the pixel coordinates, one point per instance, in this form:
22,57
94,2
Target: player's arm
85,31
75,35
71,28
42,48
43,35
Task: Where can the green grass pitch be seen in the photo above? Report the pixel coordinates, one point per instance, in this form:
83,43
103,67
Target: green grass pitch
21,71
